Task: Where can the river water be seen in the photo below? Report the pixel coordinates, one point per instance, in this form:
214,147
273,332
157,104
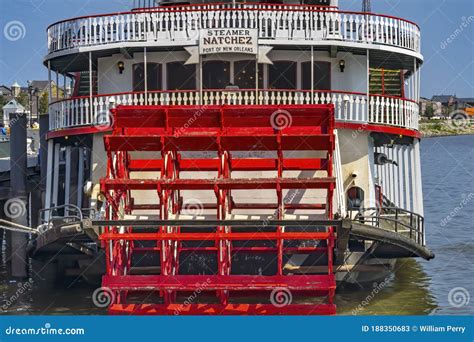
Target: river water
417,287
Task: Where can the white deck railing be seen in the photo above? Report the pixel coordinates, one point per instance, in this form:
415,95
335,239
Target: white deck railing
349,107
280,23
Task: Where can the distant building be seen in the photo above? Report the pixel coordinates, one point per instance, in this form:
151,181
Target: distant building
445,100
16,89
12,107
5,91
436,105
34,91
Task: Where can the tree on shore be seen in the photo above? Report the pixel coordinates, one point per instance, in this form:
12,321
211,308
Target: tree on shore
429,111
43,103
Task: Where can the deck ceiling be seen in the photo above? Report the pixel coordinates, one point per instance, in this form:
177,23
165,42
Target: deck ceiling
80,61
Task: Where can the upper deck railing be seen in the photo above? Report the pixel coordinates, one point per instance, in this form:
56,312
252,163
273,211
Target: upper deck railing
280,24
349,106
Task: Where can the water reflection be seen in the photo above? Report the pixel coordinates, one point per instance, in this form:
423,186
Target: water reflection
405,292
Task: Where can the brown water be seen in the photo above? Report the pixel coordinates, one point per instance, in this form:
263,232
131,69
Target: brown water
415,288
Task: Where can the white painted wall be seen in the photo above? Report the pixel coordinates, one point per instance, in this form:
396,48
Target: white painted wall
111,81
354,147
353,79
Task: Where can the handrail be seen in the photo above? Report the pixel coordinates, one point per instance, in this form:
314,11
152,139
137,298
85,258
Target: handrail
281,23
68,207
232,90
246,6
375,217
349,106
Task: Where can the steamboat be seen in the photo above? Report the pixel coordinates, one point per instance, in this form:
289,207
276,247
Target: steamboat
234,153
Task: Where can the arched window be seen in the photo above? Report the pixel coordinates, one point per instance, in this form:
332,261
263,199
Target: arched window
282,75
321,76
215,74
180,76
244,74
355,198
153,76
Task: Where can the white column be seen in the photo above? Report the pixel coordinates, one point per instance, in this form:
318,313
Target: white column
50,98
80,177
396,179
367,104
91,91
145,74
64,86
49,176
57,85
56,175
417,183
389,179
401,182
371,175
405,183
200,80
413,179
67,180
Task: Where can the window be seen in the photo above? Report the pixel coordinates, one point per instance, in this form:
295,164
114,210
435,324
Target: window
355,198
215,74
181,76
321,78
282,75
244,74
153,76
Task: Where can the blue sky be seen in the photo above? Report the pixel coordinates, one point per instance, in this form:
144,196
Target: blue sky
448,71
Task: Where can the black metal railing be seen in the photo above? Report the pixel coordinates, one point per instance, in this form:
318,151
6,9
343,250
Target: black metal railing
395,219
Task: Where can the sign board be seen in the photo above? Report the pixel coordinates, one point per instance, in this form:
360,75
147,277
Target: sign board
228,41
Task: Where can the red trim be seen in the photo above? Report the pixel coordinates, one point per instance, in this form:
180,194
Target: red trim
380,128
75,131
346,125
158,8
190,8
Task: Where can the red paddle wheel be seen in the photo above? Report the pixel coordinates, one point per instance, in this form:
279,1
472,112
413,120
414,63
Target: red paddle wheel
172,154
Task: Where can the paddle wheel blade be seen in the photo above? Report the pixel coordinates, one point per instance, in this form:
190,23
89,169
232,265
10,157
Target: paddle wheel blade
220,164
